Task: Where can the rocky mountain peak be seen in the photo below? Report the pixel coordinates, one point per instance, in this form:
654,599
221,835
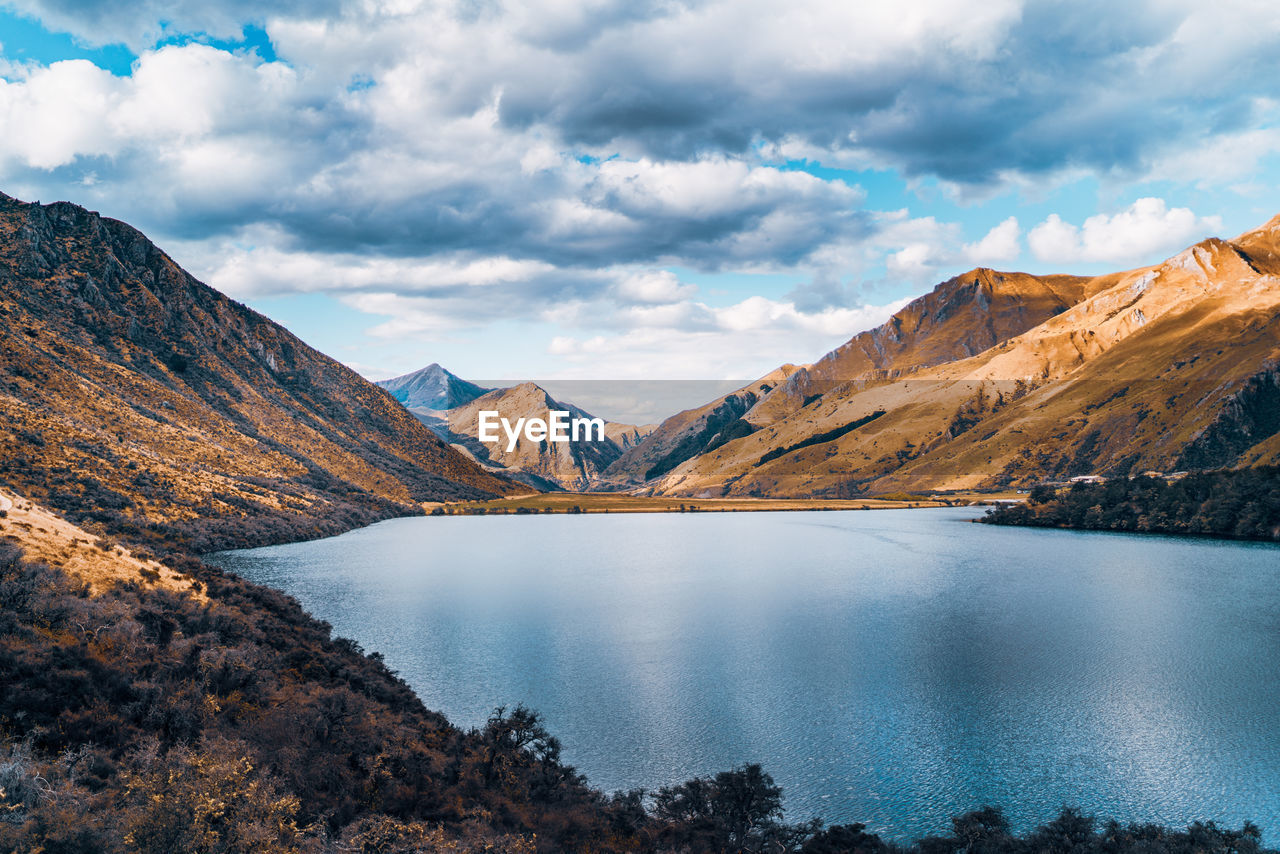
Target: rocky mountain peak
1262,246
432,388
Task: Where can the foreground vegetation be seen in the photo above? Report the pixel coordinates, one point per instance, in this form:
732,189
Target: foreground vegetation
140,719
1242,504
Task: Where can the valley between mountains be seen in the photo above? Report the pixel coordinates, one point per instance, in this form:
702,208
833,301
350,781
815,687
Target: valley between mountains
138,398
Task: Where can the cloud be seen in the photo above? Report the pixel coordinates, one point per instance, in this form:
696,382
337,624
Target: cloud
968,92
708,213
917,251
459,162
747,338
653,286
734,72
640,325
198,141
1145,230
64,111
917,247
973,93
1225,158
269,271
1001,243
141,23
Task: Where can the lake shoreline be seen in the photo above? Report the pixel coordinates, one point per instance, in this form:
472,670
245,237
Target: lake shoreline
1086,529
1241,505
615,502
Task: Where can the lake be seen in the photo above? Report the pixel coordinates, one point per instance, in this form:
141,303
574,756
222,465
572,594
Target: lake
895,667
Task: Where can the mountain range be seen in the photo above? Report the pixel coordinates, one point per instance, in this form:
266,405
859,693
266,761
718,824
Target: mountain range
131,388
995,380
163,703
991,380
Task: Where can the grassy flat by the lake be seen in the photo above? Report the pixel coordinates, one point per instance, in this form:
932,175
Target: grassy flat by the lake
616,502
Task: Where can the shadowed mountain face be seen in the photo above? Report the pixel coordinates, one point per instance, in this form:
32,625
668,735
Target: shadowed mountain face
135,396
687,434
998,379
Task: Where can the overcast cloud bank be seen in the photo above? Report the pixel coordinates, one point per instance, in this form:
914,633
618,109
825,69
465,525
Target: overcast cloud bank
453,165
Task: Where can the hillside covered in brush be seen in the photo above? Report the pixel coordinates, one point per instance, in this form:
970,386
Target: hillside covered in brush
133,396
1240,504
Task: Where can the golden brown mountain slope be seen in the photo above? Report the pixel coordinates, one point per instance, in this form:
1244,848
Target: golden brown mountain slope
133,395
101,564
960,317
574,465
1166,367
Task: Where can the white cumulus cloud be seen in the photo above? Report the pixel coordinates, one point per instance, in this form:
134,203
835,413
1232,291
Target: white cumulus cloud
1001,243
1147,228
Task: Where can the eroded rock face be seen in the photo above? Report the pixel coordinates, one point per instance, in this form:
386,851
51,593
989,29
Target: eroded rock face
131,390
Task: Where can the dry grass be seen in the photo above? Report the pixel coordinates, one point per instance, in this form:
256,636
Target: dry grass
50,539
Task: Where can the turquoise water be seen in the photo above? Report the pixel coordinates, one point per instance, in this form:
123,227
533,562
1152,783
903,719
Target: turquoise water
889,667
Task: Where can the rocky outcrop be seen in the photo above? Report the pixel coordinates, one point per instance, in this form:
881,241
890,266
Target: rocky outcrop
1247,418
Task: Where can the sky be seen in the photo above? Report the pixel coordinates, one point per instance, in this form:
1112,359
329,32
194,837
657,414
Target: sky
624,189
